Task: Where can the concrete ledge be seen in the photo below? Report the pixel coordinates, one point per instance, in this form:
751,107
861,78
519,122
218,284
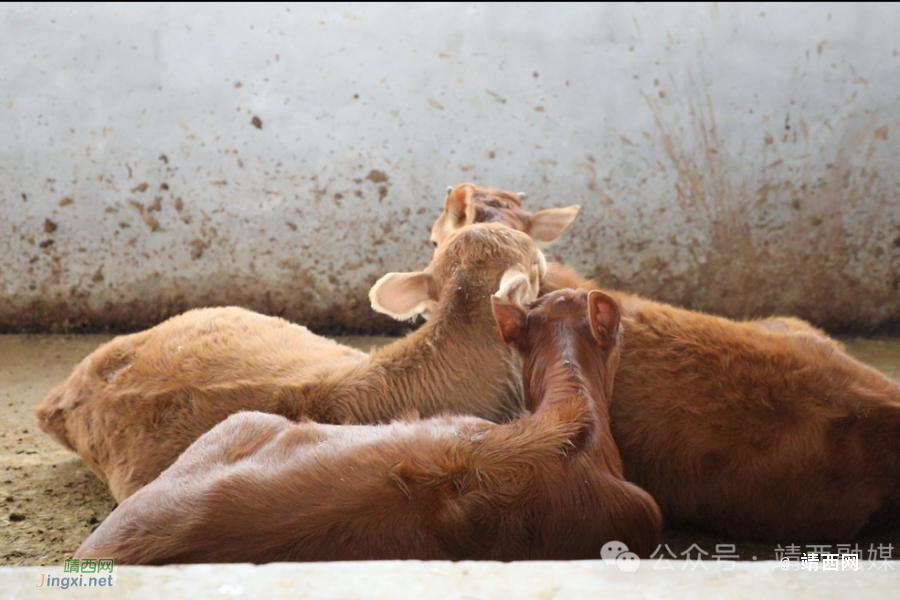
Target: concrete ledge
398,580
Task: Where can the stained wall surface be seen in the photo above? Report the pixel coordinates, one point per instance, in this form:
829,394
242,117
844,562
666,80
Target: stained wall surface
737,158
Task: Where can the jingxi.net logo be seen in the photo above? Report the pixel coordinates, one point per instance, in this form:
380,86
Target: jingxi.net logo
616,553
93,567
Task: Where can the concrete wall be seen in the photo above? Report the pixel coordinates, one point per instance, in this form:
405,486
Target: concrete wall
737,158
440,580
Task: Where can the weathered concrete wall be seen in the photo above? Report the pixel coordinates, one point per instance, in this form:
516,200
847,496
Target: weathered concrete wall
737,158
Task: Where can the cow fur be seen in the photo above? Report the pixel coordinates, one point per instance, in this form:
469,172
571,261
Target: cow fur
763,429
132,406
261,488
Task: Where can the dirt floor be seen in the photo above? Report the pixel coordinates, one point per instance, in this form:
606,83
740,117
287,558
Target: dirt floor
51,501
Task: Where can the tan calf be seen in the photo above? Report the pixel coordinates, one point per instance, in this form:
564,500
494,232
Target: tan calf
467,204
130,408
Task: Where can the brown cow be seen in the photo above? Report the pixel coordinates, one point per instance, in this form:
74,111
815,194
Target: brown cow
549,485
761,429
467,204
132,406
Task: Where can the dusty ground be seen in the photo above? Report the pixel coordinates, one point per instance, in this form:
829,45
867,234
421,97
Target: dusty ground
50,501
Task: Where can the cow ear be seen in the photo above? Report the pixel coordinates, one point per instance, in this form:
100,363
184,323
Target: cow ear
404,296
547,225
538,270
518,287
604,316
460,205
510,319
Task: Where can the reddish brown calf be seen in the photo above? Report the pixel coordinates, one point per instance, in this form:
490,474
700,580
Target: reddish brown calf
546,486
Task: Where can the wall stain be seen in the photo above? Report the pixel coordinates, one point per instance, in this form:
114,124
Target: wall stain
791,239
377,176
742,255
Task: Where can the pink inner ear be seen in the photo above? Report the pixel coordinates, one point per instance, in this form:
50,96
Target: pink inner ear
510,319
400,295
604,315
